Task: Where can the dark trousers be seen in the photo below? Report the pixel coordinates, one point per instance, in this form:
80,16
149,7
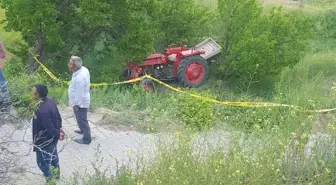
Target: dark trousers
47,158
83,123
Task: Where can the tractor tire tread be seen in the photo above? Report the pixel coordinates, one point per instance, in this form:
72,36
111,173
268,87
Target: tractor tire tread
182,67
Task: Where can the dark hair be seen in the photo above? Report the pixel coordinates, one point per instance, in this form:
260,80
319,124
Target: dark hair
41,90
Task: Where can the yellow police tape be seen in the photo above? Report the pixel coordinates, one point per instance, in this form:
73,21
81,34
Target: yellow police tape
52,76
240,104
235,104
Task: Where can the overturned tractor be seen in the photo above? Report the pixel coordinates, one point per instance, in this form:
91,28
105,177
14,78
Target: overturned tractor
187,65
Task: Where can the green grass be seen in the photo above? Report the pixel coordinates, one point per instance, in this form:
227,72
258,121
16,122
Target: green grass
273,158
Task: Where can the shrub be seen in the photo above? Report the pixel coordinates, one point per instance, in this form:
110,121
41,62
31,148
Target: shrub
58,93
328,25
252,38
20,85
14,68
194,112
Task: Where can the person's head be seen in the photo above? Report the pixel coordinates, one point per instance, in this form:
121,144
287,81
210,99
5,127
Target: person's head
75,63
40,91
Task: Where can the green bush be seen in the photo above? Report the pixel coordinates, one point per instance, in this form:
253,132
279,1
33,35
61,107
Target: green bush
328,25
20,85
253,38
59,93
14,68
195,113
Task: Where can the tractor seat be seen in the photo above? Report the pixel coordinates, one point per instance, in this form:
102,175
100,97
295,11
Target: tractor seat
188,52
172,57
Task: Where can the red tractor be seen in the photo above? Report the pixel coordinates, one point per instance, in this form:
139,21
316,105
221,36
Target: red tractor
188,66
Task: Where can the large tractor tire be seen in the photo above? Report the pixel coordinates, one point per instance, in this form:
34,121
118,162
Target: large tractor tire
193,71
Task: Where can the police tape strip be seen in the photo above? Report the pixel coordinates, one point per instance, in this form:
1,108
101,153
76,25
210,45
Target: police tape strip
51,75
235,104
240,104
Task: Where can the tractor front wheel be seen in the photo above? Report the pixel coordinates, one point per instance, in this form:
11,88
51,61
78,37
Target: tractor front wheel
126,73
193,71
147,84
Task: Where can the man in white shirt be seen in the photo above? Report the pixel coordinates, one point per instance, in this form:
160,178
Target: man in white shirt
79,97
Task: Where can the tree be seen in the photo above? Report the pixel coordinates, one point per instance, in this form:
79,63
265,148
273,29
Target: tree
259,44
140,31
57,28
181,21
235,17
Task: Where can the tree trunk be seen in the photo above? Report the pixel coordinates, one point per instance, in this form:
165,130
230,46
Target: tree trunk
39,51
227,45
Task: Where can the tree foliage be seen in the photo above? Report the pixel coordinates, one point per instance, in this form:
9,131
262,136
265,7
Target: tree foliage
57,28
261,43
106,33
182,21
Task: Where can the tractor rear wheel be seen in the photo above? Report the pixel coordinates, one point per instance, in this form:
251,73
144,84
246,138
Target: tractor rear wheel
147,84
193,71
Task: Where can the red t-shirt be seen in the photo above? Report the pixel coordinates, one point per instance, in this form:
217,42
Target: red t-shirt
2,54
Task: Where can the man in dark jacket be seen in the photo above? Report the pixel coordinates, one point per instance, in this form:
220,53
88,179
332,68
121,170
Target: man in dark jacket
47,128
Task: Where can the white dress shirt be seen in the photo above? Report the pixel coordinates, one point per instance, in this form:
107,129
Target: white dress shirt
79,89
